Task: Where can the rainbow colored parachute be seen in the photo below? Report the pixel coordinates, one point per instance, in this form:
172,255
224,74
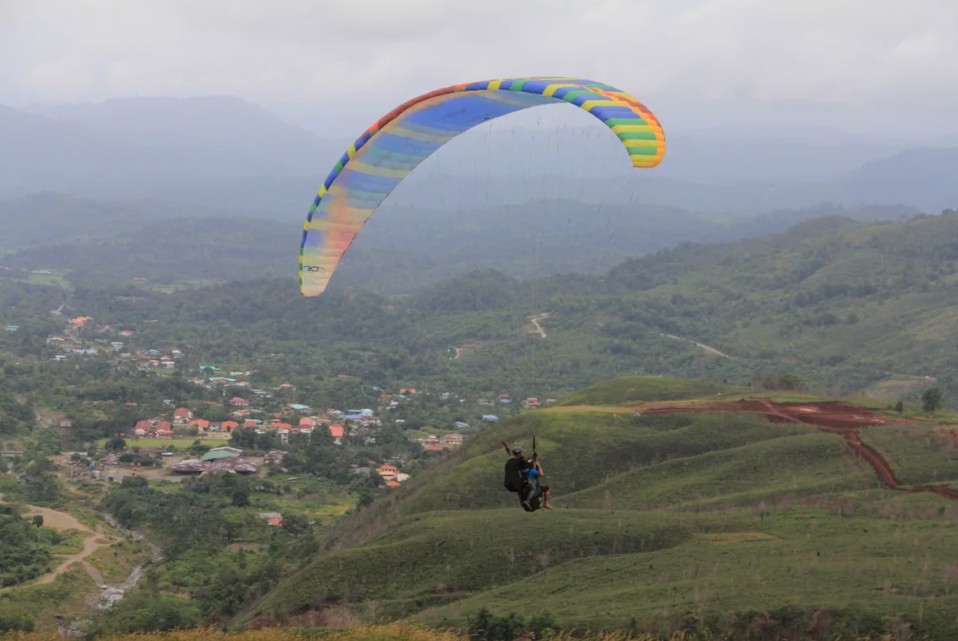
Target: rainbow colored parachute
398,142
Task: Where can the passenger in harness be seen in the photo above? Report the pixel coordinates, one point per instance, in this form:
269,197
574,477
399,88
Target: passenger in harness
523,476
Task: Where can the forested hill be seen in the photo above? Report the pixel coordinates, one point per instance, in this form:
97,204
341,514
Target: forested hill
838,304
401,250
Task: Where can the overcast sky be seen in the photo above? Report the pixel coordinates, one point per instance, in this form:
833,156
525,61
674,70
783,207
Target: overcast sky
886,67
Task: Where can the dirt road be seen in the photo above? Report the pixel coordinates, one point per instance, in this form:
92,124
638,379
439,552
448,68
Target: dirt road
702,346
61,522
535,323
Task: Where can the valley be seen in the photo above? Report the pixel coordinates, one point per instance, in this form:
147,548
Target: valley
712,305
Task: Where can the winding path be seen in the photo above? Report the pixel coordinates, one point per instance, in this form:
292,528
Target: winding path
61,522
886,476
535,323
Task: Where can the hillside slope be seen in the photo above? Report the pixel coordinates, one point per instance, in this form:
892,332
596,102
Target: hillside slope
697,508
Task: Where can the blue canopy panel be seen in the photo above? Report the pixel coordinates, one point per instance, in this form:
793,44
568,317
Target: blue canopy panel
363,182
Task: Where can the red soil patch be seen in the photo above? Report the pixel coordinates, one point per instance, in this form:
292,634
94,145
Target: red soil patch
833,417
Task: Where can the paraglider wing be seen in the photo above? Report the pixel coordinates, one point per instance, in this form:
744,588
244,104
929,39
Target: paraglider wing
396,144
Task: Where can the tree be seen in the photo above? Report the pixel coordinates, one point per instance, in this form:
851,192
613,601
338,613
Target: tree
931,399
38,520
240,497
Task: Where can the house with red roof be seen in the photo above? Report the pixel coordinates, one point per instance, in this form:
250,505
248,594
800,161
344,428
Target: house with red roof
238,401
182,416
337,431
199,423
228,426
388,472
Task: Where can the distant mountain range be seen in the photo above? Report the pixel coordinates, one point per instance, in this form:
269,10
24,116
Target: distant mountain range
401,250
225,153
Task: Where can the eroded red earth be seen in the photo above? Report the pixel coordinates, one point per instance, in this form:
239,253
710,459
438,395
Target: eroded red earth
834,417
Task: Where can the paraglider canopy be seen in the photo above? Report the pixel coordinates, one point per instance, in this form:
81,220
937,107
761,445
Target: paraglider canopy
398,142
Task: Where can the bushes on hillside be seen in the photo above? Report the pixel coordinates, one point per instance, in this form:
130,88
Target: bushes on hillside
486,626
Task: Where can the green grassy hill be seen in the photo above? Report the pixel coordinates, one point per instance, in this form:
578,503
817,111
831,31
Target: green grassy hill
694,519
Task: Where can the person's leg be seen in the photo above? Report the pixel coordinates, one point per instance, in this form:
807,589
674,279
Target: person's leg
530,491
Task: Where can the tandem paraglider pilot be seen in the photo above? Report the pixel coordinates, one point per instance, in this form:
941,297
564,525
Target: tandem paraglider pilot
523,476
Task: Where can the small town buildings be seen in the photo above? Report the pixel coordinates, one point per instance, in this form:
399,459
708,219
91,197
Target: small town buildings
221,452
387,472
273,519
230,465
451,440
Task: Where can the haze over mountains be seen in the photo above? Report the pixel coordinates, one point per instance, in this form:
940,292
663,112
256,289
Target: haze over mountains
225,153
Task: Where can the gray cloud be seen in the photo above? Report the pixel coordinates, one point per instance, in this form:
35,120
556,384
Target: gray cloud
885,65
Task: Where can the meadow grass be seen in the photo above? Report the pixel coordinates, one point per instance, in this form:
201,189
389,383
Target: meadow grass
70,543
636,389
918,454
796,557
